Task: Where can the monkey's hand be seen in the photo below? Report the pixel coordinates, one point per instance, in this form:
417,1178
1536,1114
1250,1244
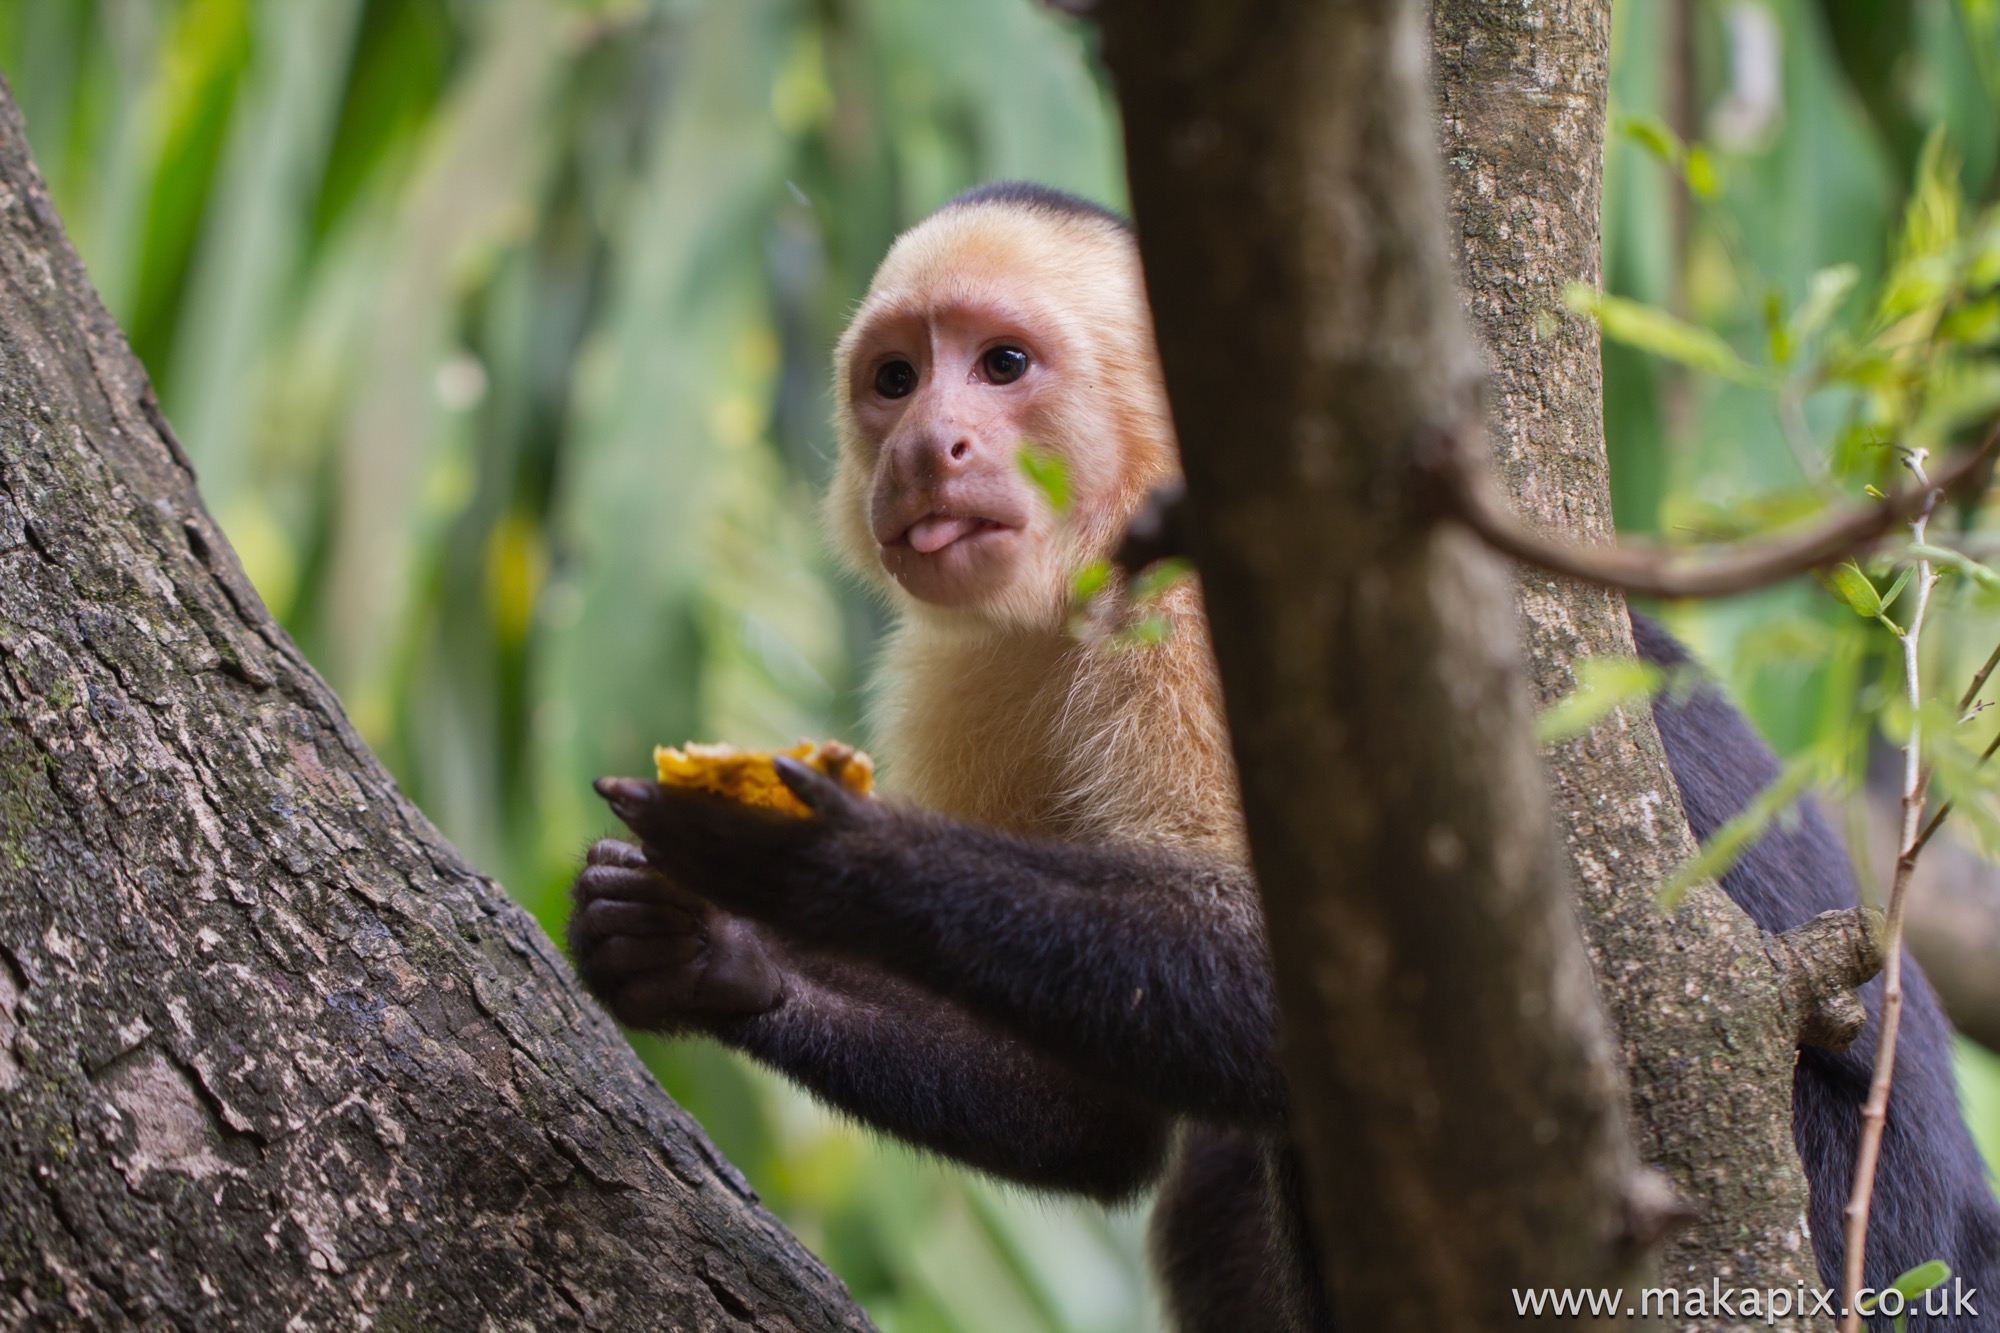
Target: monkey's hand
1139,968
660,957
776,867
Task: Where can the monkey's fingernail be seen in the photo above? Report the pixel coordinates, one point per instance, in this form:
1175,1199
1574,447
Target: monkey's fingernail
807,783
627,793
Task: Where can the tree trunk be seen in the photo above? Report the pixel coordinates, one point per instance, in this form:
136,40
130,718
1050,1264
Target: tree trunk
1454,1084
271,1054
1708,1052
1282,203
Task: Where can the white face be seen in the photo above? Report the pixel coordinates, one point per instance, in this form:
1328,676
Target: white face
986,331
944,399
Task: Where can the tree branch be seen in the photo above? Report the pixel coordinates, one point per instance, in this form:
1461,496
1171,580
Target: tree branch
1821,965
1916,781
1463,490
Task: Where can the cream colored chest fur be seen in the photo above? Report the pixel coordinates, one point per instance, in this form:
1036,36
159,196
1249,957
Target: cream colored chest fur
1041,735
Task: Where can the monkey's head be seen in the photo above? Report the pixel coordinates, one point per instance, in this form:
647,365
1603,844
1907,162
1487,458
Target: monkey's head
1012,317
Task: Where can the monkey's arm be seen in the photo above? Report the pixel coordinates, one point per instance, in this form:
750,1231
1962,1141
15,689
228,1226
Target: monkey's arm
880,1048
1148,970
916,1066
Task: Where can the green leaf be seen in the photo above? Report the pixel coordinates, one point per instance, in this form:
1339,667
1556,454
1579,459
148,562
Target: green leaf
1151,631
1944,557
1976,324
1777,336
1828,288
1779,341
1864,367
1982,268
1852,587
1695,164
1159,576
1896,588
1739,834
1915,1282
1603,684
1048,472
1957,397
1090,580
1702,173
1921,1279
1931,219
1656,136
1914,285
1654,330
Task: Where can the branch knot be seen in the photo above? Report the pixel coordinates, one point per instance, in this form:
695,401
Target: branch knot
1821,964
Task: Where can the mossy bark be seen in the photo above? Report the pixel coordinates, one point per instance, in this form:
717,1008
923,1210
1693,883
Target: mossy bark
271,1054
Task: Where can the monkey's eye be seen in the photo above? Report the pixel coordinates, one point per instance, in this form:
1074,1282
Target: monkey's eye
1004,365
896,379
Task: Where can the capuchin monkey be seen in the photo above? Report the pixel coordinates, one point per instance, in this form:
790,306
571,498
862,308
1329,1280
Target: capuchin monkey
1045,958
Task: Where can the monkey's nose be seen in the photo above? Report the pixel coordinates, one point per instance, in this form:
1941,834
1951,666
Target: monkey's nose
942,455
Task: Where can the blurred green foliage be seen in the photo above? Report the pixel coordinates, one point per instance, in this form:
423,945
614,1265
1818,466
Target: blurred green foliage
499,335
1801,252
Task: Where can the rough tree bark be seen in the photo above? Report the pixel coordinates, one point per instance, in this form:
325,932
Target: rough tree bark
1707,1044
271,1054
1454,1082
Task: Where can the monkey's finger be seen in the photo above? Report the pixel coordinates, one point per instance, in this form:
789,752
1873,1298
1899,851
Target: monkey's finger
629,798
678,821
620,958
822,795
603,917
613,852
638,886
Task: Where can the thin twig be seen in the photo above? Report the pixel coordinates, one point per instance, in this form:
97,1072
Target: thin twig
1945,809
1916,780
1979,679
1965,703
1466,492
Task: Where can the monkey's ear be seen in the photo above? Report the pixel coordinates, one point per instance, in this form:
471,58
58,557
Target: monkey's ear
823,795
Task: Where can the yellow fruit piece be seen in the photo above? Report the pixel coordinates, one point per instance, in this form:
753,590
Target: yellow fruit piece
749,776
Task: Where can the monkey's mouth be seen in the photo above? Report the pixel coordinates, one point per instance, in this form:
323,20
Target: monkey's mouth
952,559
934,532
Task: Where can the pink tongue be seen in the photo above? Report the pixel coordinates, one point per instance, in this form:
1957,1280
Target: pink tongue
934,534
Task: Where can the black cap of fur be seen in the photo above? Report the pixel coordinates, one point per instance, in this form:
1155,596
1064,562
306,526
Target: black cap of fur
1035,198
